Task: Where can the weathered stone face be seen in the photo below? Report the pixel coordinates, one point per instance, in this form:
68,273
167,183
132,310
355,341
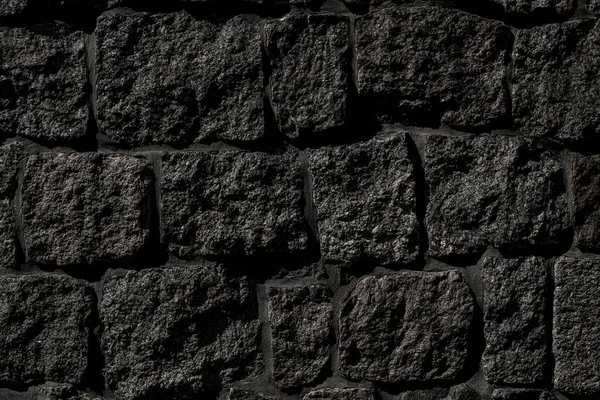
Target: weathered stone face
555,87
85,208
521,394
244,394
310,61
492,190
43,82
410,326
463,392
340,394
301,333
365,201
232,202
179,332
515,315
10,155
585,185
205,78
576,338
430,66
44,329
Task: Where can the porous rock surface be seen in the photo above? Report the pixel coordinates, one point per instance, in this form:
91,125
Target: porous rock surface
252,202
496,191
179,332
431,313
364,196
428,66
85,208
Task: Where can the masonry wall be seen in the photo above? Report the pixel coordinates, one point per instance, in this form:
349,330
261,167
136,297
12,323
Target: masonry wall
306,200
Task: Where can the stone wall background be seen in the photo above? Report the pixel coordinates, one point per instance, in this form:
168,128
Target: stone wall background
299,200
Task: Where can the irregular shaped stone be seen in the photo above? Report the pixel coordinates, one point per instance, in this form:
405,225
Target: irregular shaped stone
493,191
179,332
310,63
300,322
21,8
340,394
430,66
585,186
171,79
434,394
244,394
521,394
462,392
44,328
536,7
43,82
232,202
514,304
576,344
10,155
364,195
555,88
83,208
406,327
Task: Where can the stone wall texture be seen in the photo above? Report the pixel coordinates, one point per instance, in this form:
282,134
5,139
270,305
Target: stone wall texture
299,199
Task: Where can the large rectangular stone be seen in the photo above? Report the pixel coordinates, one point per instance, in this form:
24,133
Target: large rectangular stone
171,79
45,323
487,190
585,186
43,82
232,202
310,61
365,201
83,208
406,327
556,85
576,333
515,320
301,333
429,66
179,332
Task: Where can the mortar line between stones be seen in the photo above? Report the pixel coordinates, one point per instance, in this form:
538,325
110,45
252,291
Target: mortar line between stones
266,336
90,46
353,51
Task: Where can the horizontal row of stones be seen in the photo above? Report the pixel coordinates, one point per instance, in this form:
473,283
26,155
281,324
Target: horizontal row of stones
177,332
170,79
550,8
484,191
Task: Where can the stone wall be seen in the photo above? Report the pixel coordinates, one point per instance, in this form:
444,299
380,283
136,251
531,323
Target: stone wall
301,199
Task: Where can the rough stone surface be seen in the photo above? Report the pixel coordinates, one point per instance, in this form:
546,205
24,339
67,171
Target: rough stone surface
301,333
410,326
430,66
246,394
310,60
10,155
492,190
205,78
179,332
340,394
44,329
364,195
585,186
20,8
576,335
232,202
82,208
433,394
521,394
43,82
556,90
515,315
462,392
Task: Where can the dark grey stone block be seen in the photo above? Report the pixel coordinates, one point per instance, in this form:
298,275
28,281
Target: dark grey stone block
365,201
496,191
179,332
83,208
406,327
